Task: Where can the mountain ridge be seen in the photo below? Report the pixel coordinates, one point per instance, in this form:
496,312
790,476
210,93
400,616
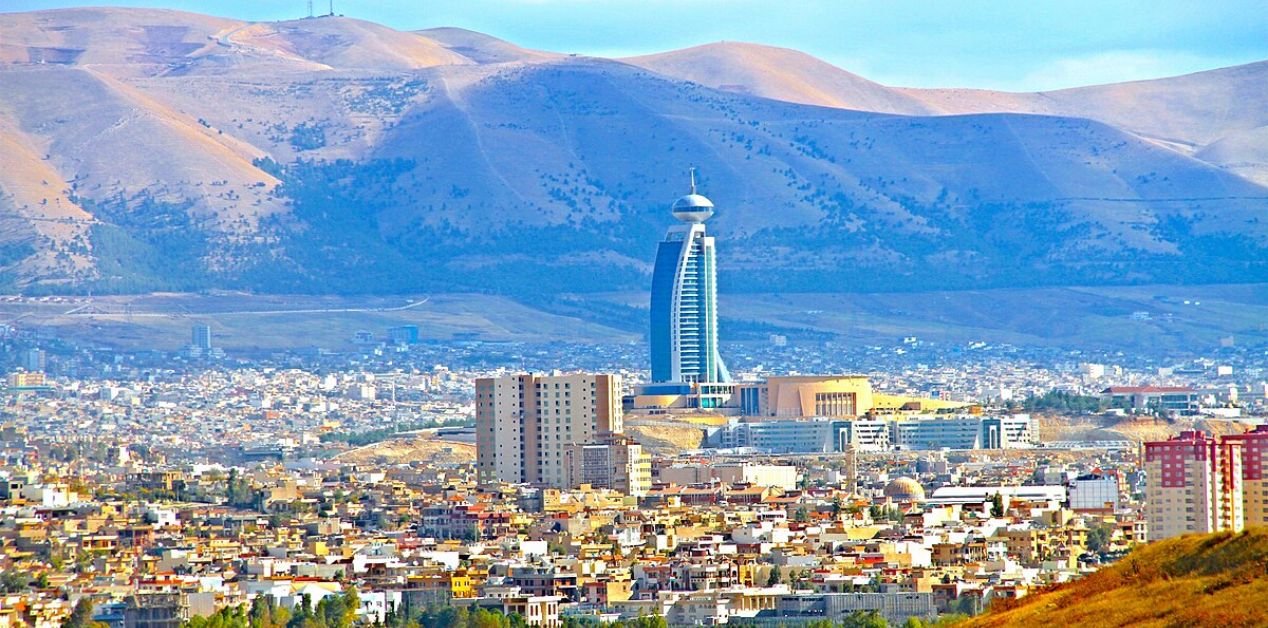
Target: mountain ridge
332,154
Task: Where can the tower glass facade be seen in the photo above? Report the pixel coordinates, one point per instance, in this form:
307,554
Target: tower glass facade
684,314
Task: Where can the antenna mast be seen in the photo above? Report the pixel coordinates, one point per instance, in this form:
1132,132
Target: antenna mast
310,8
692,170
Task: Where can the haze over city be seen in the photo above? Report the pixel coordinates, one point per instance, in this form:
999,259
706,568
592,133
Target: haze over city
570,313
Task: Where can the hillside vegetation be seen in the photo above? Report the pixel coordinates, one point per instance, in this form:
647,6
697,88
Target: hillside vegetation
1197,580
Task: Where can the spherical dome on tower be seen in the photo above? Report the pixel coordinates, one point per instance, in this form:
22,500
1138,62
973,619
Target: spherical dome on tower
905,490
693,208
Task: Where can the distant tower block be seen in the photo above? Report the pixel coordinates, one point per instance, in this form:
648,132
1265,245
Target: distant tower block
202,337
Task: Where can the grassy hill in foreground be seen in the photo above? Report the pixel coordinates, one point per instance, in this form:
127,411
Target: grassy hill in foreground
1197,580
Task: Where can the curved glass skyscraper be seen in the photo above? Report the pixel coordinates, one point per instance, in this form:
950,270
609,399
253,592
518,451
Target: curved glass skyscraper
684,333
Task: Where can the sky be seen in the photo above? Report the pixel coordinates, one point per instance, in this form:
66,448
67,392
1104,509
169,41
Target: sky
1018,45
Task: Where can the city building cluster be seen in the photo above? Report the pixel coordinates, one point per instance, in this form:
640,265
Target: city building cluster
411,480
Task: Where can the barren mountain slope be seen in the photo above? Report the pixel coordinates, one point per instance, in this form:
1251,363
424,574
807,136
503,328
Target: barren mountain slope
128,41
483,48
1192,110
608,135
343,43
778,73
1186,113
332,154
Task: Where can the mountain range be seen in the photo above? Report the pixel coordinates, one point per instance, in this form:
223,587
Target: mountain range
145,150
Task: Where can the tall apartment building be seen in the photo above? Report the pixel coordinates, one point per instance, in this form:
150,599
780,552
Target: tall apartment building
526,423
1254,483
35,360
200,337
1193,484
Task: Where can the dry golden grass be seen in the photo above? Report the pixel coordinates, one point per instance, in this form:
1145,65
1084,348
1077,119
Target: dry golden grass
1063,427
665,439
1197,580
345,44
403,450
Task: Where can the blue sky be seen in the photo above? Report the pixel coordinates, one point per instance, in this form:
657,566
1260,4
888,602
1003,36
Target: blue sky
1013,44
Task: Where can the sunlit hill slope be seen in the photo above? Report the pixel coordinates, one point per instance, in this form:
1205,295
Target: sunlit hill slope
159,150
1198,580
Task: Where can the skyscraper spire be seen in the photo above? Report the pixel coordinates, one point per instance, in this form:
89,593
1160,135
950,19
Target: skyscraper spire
693,207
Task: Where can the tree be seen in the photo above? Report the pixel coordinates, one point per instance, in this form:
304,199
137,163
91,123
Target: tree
231,490
81,616
303,615
352,601
965,605
227,617
941,622
13,581
864,619
648,621
997,505
1098,538
773,578
331,611
261,614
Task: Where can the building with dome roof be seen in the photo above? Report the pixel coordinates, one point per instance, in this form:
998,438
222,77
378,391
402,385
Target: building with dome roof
684,308
905,489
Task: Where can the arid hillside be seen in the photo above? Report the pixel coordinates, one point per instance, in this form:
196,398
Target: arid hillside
151,150
1196,580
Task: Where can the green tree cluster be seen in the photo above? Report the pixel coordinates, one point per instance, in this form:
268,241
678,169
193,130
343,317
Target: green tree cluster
238,491
15,581
81,616
1061,401
333,611
457,617
1098,537
647,621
